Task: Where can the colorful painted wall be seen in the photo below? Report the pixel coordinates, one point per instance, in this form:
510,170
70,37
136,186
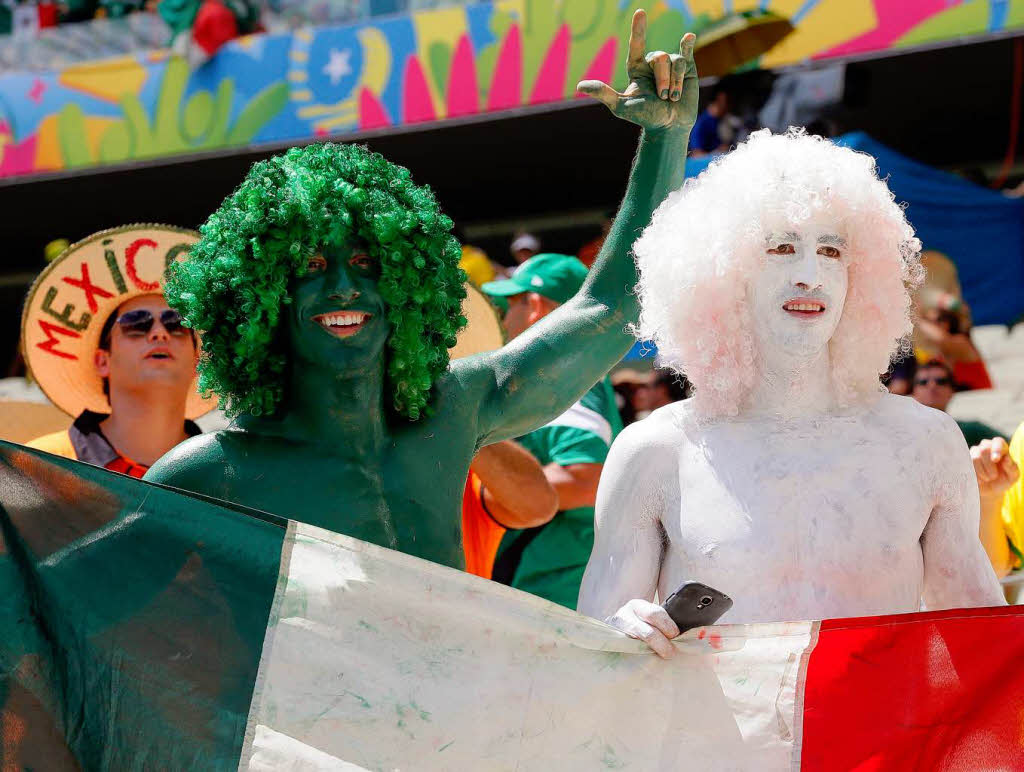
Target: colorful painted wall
422,67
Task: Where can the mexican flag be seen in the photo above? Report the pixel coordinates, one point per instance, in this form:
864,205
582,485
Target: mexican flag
145,628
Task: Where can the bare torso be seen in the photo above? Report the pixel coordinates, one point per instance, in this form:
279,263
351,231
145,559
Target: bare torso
406,496
805,518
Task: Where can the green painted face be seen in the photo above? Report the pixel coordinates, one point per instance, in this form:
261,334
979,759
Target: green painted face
337,317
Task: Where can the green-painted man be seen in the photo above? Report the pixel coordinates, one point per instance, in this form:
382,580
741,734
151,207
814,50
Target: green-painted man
327,292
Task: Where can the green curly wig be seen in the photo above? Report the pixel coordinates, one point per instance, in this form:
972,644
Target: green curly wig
234,282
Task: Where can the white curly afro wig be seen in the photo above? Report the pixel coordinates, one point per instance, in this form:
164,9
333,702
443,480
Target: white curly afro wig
707,237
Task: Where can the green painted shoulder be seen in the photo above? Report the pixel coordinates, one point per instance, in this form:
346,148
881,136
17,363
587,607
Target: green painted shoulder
197,464
459,392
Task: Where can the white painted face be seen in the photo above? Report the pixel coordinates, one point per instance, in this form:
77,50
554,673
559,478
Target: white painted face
796,296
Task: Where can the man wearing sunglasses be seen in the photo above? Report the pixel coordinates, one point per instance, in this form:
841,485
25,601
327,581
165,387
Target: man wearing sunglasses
934,387
107,349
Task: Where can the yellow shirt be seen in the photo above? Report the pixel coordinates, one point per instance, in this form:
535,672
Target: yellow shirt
58,443
1013,500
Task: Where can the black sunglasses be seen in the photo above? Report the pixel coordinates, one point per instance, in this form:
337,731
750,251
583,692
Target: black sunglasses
140,322
944,380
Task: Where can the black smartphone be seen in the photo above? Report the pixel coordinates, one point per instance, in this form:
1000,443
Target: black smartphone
696,605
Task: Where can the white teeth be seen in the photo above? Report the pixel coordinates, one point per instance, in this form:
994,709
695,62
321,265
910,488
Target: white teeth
342,318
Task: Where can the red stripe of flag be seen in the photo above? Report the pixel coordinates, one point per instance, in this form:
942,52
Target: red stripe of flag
934,691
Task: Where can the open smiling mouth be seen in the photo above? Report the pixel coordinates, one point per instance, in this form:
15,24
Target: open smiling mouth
804,308
343,324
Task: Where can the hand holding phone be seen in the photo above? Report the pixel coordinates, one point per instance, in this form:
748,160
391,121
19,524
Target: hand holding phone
696,605
692,605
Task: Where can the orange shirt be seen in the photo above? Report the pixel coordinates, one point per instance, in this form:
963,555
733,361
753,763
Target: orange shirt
481,535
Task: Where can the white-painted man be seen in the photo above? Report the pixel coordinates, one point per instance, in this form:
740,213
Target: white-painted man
789,481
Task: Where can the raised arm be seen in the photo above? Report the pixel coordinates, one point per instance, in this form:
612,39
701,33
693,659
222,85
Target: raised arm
622,575
957,571
543,371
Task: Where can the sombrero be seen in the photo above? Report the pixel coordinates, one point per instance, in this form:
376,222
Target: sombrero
68,304
484,331
24,421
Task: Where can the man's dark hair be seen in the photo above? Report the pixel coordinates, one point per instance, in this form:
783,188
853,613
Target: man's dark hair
108,329
939,363
901,367
104,345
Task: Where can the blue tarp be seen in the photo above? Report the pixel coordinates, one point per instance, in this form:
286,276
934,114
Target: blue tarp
980,230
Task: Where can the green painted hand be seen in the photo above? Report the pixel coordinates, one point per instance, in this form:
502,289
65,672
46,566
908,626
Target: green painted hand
662,90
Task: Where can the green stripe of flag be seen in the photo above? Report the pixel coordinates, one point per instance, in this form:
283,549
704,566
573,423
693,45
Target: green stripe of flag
133,619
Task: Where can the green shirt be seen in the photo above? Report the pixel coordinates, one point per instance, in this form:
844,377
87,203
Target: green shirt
549,561
976,431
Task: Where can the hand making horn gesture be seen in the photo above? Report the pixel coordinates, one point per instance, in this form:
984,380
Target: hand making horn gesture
662,92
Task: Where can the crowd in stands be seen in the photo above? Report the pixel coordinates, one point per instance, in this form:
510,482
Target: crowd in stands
195,29
29,16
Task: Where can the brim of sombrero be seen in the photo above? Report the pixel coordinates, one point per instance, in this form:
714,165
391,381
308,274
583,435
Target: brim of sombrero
483,332
23,421
61,322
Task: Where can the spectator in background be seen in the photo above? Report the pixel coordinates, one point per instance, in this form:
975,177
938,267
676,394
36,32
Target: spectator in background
661,388
507,488
1001,489
943,327
941,280
900,377
933,386
523,247
643,393
549,561
624,382
126,372
712,132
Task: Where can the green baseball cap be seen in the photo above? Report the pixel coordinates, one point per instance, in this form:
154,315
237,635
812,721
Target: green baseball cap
556,277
